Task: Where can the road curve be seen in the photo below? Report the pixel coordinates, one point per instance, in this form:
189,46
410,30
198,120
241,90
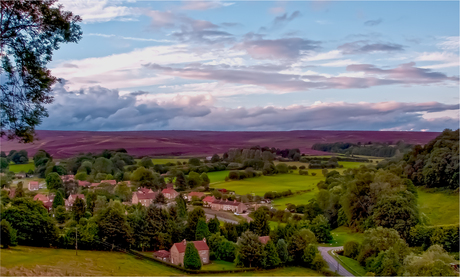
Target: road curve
333,264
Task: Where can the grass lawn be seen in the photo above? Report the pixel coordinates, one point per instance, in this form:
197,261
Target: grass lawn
21,260
296,199
274,224
352,266
219,265
343,234
279,182
282,271
21,167
218,176
440,207
171,160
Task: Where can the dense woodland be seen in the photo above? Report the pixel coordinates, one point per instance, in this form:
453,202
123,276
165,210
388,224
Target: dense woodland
378,200
374,149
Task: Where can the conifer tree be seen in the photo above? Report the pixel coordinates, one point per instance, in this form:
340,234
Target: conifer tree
78,209
19,190
58,200
192,257
260,225
181,206
271,258
202,230
250,249
213,225
283,253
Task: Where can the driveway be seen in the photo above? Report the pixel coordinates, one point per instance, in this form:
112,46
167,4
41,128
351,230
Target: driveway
333,264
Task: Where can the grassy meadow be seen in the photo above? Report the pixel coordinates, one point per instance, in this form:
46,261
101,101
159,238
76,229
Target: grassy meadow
442,208
16,168
21,260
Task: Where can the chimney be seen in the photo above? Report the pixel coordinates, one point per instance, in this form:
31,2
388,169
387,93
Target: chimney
185,242
234,201
204,239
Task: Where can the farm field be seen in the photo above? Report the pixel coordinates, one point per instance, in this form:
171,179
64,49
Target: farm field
440,207
21,260
170,160
280,182
296,199
218,176
21,167
343,234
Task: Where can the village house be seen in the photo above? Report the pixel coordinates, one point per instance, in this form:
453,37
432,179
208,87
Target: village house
93,185
197,194
178,251
34,185
83,183
145,190
170,193
12,193
68,178
71,200
208,200
170,186
226,205
112,182
264,239
162,255
144,198
47,203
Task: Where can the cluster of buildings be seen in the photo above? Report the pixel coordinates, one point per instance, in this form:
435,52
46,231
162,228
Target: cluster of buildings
48,200
177,252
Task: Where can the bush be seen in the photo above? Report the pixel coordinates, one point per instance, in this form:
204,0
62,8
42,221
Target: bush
302,167
351,249
318,263
303,172
313,174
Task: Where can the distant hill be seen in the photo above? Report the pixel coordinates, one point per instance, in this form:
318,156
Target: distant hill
63,144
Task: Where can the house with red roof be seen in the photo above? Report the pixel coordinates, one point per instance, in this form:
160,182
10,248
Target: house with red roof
178,251
145,190
264,239
47,203
169,185
93,185
162,255
112,182
144,198
208,200
34,185
83,183
226,205
197,194
69,202
68,178
170,193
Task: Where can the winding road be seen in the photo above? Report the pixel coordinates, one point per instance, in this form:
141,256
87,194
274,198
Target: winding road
333,264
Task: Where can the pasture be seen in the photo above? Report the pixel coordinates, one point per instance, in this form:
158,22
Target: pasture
22,260
442,208
16,168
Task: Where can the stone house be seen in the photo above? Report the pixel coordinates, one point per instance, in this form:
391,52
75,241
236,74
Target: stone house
178,251
226,205
170,193
34,185
47,203
199,195
68,178
162,255
144,198
83,183
208,200
69,202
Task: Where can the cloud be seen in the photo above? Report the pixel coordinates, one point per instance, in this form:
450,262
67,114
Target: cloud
284,48
102,109
100,11
370,76
364,46
282,20
372,23
204,5
447,59
450,43
127,38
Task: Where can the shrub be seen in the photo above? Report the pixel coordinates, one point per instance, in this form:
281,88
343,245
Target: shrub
302,167
313,174
351,249
318,262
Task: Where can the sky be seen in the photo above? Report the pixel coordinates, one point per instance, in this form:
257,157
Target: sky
259,66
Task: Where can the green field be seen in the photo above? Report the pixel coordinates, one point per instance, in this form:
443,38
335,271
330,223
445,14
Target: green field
21,167
32,261
296,199
219,265
441,208
218,176
279,182
283,271
171,160
352,266
343,234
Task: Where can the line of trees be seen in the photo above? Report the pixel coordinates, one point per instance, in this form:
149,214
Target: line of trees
374,149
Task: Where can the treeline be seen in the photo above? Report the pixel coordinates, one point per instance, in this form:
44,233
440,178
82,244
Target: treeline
17,157
434,165
374,149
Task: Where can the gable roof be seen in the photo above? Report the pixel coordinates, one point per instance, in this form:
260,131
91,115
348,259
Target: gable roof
264,239
34,183
196,193
199,245
41,197
209,199
145,195
168,191
112,182
83,183
161,253
225,202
